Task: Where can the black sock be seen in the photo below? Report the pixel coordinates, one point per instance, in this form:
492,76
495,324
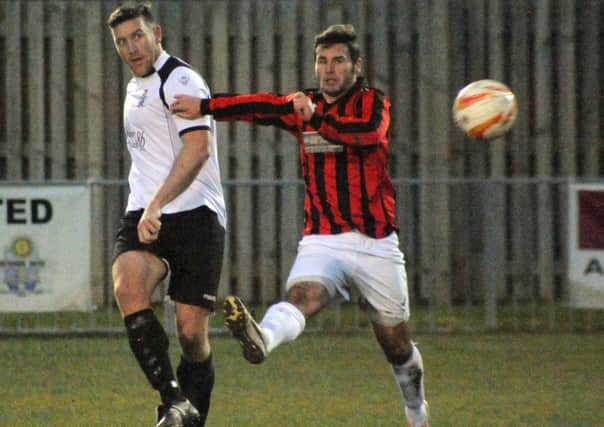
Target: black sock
197,380
149,343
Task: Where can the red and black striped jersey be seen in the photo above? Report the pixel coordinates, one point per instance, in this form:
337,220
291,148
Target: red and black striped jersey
343,150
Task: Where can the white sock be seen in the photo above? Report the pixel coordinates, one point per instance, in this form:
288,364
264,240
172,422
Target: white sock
282,323
410,379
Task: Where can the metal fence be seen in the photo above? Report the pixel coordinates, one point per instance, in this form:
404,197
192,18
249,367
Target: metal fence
493,258
483,225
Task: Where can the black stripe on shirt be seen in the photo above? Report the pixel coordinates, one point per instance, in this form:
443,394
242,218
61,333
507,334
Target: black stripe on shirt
319,169
342,186
312,216
390,227
368,219
253,108
163,73
371,125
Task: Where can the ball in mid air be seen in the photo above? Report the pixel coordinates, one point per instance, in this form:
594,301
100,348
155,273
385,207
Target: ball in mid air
485,109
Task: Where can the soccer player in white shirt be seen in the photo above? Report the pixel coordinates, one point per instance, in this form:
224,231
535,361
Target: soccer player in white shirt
175,219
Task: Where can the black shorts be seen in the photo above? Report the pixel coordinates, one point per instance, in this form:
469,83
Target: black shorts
192,242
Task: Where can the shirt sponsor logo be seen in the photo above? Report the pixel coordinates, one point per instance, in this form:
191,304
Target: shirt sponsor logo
140,97
315,143
136,139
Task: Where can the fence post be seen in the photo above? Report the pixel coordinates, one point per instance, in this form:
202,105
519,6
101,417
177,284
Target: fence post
491,235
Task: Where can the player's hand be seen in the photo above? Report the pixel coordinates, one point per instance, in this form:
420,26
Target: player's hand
149,224
186,106
303,106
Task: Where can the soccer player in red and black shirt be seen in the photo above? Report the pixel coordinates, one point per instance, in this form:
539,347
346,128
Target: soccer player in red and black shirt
350,234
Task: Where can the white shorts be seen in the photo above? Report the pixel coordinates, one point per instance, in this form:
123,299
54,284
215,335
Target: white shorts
375,267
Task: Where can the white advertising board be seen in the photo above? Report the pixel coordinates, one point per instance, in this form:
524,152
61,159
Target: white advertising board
44,248
586,245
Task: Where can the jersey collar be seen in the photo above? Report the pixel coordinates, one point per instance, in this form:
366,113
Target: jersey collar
358,84
159,62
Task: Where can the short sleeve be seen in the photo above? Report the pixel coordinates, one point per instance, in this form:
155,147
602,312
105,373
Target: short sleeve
185,81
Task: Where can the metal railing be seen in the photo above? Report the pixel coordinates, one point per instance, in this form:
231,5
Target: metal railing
475,248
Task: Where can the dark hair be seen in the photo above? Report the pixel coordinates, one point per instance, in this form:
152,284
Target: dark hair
340,33
129,11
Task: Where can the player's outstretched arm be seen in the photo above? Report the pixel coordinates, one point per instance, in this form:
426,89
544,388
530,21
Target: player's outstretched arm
267,109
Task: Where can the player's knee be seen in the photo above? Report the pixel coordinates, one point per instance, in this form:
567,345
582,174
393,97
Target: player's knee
192,321
399,352
187,332
394,338
307,295
396,344
188,343
130,298
193,341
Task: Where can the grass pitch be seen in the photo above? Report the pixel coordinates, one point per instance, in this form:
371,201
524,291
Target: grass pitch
319,380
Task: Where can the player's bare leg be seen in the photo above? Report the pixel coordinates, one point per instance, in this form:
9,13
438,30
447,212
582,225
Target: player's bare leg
135,276
408,369
195,371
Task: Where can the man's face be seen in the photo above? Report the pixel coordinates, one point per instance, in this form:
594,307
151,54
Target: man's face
335,70
138,44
